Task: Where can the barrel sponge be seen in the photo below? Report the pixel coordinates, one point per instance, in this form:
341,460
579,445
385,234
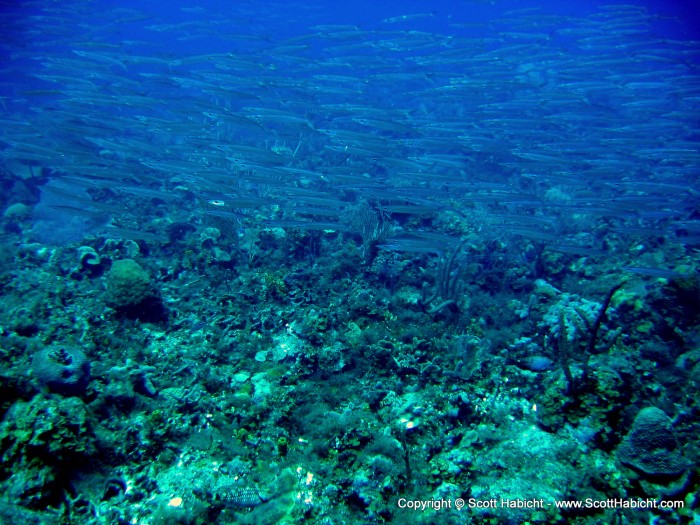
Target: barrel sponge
129,285
62,369
651,446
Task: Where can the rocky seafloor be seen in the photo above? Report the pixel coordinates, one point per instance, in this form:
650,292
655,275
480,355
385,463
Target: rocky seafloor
216,372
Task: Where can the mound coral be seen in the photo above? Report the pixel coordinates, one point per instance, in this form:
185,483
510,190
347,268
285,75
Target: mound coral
131,291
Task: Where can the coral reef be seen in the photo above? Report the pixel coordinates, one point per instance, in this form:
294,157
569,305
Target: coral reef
273,265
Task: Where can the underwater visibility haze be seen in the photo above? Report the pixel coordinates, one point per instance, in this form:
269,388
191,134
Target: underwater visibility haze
349,263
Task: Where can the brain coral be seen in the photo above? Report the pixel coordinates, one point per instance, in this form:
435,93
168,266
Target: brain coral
651,445
62,369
